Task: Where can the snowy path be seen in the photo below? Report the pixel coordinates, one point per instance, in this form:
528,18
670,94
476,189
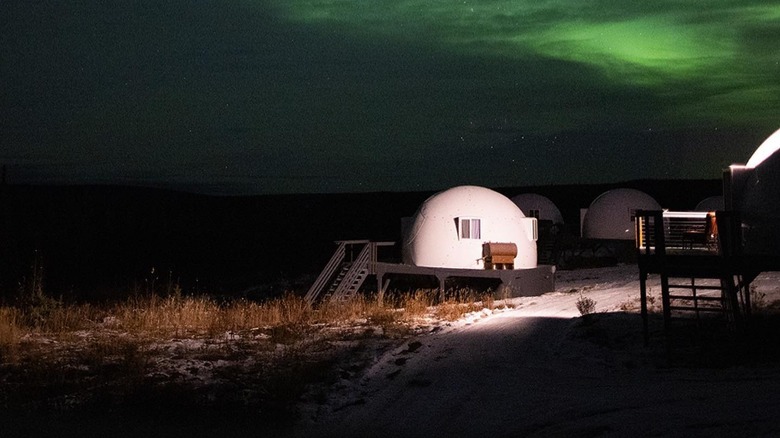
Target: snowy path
538,371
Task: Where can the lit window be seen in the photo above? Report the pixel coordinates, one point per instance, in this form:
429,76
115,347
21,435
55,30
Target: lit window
470,228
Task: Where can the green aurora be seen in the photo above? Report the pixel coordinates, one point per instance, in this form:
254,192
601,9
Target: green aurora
729,51
274,96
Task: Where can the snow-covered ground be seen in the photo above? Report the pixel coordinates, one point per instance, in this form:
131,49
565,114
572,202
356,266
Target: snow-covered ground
536,368
529,366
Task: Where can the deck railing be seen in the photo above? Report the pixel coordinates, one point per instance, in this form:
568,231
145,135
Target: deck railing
674,231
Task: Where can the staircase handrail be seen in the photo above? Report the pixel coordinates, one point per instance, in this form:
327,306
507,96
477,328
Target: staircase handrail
327,273
360,264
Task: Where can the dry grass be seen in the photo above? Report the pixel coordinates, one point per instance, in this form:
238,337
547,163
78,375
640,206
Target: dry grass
167,313
181,316
10,330
633,305
10,334
57,357
452,310
415,304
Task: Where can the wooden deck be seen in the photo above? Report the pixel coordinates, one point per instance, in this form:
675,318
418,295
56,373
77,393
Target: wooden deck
518,282
663,249
355,260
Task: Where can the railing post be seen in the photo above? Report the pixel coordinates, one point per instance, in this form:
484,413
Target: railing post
643,306
660,257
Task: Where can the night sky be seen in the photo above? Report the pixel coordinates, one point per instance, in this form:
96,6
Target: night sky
292,96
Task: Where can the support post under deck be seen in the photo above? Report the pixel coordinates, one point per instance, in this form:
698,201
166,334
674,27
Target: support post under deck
643,305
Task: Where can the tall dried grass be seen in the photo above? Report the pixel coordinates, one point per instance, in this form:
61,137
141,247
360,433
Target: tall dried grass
177,315
415,304
10,326
10,334
61,353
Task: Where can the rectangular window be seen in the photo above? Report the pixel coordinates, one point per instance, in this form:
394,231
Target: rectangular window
534,213
470,228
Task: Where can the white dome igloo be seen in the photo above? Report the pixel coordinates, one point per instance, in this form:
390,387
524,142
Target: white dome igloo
712,203
449,228
546,209
611,215
765,150
760,206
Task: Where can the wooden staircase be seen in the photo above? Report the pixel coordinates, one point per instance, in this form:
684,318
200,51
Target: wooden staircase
351,277
346,271
664,247
692,300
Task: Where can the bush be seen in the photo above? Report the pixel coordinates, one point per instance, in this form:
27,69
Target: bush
586,305
36,306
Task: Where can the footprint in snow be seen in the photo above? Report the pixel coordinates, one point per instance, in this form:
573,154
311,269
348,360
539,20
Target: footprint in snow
412,347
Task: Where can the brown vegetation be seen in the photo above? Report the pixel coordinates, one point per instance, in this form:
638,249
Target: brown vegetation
194,350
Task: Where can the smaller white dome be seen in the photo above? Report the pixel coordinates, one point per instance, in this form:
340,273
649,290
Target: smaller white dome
611,215
713,203
543,206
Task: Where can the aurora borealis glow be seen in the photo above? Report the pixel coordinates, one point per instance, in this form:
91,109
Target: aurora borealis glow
353,95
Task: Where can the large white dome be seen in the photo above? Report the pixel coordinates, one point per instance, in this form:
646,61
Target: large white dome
531,202
436,237
611,215
765,150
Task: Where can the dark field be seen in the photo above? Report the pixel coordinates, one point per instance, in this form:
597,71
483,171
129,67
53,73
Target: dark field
97,242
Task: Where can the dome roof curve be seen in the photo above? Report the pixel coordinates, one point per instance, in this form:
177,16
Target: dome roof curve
548,211
463,200
611,215
760,206
712,203
765,150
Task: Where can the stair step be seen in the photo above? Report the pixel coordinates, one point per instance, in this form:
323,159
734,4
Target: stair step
698,309
696,298
697,287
